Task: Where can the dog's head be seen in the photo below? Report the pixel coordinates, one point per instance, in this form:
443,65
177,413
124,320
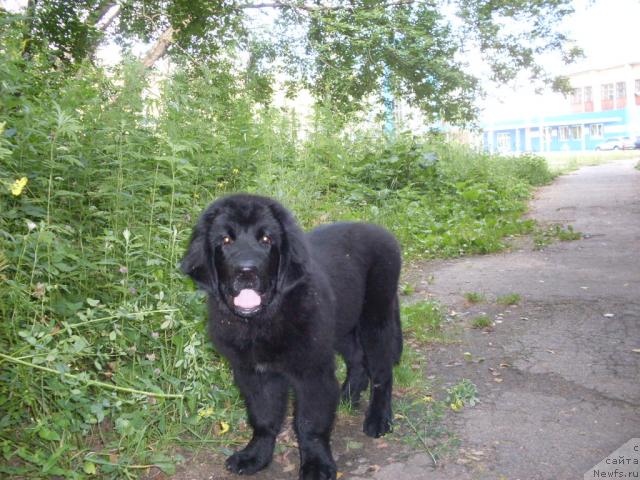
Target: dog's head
247,251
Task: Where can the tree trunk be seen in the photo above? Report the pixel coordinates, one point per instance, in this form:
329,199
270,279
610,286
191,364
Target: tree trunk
27,35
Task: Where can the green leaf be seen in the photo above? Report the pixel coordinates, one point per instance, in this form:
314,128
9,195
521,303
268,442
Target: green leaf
64,267
164,463
48,434
92,302
67,193
89,468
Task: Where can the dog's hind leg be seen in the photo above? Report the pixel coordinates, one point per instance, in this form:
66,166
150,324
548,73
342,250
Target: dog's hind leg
381,339
397,332
357,378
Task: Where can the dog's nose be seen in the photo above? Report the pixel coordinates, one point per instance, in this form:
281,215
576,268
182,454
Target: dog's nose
247,269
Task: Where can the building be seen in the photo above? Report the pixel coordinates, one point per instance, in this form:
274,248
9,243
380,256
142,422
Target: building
604,104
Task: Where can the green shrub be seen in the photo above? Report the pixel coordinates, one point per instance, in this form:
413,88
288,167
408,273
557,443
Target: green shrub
533,169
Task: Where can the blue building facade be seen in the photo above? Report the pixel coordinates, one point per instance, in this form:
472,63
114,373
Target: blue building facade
604,104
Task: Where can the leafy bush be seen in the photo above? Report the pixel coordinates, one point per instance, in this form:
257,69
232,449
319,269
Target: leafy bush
533,169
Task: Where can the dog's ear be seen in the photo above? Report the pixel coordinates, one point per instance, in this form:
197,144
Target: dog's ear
294,254
198,261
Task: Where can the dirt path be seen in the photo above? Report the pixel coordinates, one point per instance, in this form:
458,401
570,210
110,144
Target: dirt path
568,389
558,378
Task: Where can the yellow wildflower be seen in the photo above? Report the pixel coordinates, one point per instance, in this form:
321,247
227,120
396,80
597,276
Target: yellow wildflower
205,412
18,186
224,427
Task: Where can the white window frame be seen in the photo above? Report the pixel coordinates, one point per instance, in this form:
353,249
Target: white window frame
596,130
608,91
503,141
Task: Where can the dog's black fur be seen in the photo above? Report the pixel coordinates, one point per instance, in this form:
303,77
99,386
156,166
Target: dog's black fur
333,289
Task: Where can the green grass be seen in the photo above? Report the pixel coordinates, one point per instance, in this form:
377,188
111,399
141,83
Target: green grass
409,373
420,424
423,321
474,297
564,162
509,299
407,289
544,236
421,419
481,321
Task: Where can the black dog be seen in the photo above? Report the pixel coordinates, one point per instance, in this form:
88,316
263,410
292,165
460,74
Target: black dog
280,303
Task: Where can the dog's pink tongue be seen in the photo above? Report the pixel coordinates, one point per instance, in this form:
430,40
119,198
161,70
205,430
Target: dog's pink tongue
247,299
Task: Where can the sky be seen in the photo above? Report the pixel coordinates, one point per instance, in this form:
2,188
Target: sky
609,33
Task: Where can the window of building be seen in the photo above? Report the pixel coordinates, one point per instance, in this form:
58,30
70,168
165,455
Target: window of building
549,132
607,91
595,130
588,99
621,90
575,132
570,132
504,142
637,91
564,132
576,96
588,94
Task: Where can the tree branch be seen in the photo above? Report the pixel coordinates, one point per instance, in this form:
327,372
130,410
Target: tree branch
166,38
160,48
107,18
101,11
324,8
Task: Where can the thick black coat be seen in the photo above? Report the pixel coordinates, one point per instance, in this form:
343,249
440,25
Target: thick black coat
281,302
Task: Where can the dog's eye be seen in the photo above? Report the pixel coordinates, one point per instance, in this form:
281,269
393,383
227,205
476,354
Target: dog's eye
227,240
266,239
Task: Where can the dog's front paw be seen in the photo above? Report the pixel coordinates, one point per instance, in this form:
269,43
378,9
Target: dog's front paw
247,462
376,424
316,470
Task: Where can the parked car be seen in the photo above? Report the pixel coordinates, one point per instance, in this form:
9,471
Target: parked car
623,143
